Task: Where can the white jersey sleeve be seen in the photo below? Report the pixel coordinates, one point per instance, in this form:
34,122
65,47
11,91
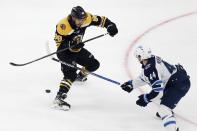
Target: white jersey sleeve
139,81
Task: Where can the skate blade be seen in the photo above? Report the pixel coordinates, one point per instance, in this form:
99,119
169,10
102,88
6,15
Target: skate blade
57,107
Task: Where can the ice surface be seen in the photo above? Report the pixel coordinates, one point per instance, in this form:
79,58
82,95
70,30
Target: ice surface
25,27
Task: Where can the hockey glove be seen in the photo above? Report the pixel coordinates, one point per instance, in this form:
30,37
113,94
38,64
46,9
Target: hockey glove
127,86
143,100
112,29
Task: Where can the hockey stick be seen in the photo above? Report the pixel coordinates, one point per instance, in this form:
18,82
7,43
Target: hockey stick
94,74
15,64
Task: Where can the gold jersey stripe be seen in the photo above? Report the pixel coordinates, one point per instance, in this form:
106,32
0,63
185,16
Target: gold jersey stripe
84,71
103,19
87,21
75,50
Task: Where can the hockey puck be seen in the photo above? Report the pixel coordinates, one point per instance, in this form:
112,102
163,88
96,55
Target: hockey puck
47,91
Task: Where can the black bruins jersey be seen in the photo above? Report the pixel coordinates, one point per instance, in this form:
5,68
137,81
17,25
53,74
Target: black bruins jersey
66,30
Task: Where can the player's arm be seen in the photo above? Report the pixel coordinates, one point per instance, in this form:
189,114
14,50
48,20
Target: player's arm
139,81
61,41
62,34
104,22
99,21
157,88
156,92
144,99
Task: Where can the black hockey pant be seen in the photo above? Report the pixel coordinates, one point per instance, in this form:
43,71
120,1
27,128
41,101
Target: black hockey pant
176,88
83,58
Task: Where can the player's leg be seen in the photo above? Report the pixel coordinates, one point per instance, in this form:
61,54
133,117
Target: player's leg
168,119
64,87
171,97
176,88
66,83
89,63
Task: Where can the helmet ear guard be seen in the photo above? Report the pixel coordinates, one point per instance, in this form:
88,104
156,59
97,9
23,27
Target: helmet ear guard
143,52
78,12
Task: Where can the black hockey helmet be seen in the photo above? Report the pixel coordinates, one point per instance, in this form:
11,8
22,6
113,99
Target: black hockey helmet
78,12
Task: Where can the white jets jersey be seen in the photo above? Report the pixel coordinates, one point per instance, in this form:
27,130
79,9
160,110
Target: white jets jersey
155,73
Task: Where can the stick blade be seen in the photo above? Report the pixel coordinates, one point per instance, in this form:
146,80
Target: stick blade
14,64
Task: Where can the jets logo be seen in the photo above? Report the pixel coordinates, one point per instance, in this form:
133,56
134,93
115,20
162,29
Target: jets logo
147,66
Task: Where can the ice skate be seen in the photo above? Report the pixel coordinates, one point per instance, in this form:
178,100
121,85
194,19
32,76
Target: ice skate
60,103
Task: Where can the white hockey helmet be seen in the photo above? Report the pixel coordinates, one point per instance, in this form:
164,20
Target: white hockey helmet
143,52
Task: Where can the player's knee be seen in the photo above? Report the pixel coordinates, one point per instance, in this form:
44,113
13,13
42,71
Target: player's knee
70,74
93,65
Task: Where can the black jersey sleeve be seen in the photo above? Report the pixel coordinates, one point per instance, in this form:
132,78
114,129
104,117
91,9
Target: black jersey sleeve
61,41
101,21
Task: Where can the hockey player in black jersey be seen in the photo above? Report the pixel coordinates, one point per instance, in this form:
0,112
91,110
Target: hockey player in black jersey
169,84
69,33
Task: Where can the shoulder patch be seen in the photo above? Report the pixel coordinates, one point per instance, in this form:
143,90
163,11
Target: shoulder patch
64,28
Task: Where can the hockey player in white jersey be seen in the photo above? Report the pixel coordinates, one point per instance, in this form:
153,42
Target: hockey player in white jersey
169,84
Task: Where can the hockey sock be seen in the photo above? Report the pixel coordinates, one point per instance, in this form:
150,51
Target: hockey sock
65,85
168,119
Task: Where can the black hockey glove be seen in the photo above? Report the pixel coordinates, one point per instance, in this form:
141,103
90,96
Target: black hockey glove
127,86
112,29
143,100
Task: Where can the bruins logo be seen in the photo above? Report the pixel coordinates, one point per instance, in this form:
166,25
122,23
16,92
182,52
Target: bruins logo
77,39
63,26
